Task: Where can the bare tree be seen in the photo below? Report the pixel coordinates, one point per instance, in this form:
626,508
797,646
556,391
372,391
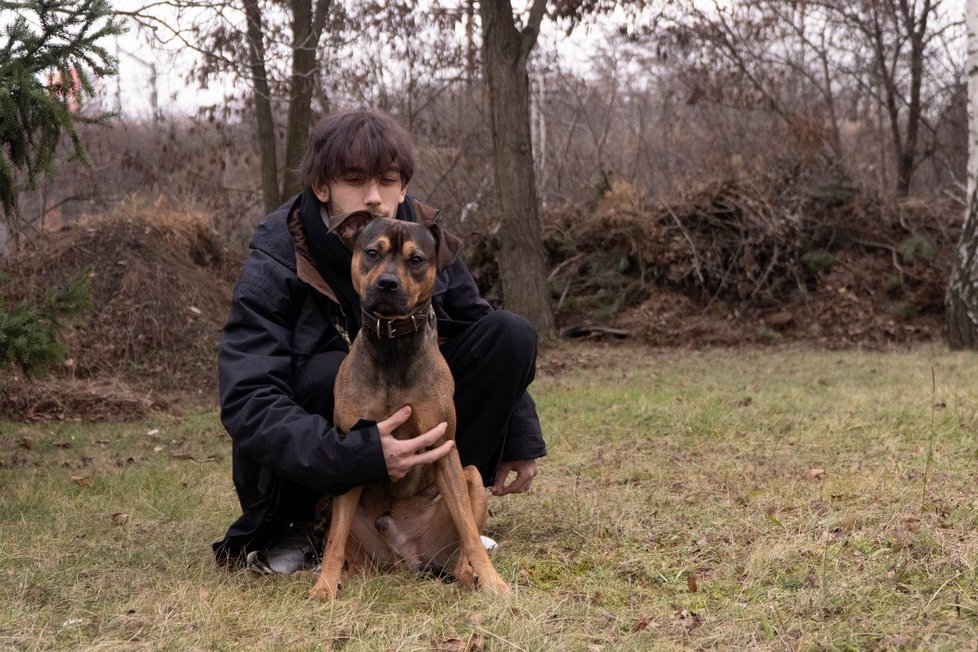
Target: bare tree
272,46
813,62
962,289
522,261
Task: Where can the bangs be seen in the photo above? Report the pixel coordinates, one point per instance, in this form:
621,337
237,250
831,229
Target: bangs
368,142
368,152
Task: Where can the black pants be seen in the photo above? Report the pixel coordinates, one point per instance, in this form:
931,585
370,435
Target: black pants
492,362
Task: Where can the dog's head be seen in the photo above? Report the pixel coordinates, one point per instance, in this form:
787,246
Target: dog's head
394,266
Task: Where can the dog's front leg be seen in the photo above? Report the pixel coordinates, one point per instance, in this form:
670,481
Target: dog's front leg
474,568
344,509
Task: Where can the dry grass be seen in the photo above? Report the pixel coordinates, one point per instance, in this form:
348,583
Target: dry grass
771,499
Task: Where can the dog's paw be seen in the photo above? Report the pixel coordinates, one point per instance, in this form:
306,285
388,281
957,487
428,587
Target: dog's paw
323,590
465,574
491,582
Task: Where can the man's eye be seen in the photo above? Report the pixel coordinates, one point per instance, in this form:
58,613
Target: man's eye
390,179
353,179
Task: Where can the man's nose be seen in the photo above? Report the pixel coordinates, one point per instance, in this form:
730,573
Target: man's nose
371,193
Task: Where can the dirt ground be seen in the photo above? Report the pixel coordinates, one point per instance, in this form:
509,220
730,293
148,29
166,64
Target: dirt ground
719,267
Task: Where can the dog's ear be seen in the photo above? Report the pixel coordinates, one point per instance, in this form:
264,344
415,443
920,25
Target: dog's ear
447,246
350,226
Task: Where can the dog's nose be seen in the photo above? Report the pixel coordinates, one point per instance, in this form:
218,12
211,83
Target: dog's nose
388,282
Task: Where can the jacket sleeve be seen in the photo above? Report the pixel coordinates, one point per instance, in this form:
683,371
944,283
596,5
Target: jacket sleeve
460,298
258,409
524,438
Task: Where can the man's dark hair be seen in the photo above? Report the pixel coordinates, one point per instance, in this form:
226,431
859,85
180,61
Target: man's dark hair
367,141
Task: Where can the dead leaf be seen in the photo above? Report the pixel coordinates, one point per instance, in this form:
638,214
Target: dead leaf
640,624
82,480
157,449
691,582
746,401
477,643
119,518
816,473
449,645
181,455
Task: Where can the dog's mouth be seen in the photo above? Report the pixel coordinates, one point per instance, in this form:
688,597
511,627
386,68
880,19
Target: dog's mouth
387,307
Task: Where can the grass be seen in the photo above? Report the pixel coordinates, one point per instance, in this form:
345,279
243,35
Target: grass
770,498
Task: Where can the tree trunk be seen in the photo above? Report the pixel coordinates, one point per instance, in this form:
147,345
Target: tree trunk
271,197
307,28
522,259
962,289
916,27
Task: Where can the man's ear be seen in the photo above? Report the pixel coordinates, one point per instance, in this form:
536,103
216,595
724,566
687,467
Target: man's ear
447,246
350,226
321,190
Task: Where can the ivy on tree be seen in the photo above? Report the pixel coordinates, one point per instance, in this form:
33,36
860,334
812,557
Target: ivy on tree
49,56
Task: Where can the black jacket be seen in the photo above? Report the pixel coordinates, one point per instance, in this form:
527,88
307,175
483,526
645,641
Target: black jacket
277,322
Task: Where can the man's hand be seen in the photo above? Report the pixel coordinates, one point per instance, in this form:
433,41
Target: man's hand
525,471
402,455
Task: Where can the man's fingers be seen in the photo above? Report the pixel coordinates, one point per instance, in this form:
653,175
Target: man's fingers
434,454
501,488
525,471
388,425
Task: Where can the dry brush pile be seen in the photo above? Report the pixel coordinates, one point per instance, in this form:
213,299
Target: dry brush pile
160,291
759,259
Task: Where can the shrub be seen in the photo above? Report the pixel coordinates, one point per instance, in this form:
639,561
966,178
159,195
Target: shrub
29,333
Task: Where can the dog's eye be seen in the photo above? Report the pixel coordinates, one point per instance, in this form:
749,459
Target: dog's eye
416,260
371,254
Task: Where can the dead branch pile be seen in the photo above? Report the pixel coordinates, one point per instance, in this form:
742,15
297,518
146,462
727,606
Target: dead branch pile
752,259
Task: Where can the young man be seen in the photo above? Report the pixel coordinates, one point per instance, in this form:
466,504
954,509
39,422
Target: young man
293,315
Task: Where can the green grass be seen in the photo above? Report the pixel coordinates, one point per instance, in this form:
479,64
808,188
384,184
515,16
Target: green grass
786,487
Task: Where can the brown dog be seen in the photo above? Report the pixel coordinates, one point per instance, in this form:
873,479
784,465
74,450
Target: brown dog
432,516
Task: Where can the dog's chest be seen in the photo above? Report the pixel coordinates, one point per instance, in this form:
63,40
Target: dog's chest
419,480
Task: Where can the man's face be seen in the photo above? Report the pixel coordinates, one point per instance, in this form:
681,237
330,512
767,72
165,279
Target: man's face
355,191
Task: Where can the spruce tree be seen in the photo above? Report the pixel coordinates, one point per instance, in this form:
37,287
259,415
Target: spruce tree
29,332
49,56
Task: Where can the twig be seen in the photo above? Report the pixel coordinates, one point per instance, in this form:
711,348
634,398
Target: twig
689,239
930,437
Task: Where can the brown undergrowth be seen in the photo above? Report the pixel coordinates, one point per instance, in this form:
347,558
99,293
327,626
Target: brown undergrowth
160,291
781,256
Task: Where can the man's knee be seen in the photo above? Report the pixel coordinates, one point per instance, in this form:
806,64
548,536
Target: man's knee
513,333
